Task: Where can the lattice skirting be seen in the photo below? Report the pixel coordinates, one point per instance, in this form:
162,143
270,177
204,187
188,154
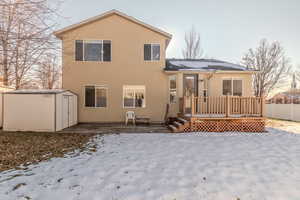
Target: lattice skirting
232,125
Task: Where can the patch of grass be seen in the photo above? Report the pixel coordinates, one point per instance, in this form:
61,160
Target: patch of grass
25,148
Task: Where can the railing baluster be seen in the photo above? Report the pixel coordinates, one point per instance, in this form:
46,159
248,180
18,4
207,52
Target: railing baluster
222,105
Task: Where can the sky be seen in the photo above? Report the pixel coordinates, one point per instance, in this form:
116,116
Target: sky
228,28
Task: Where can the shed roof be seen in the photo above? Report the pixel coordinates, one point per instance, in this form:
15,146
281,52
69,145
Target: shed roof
38,91
205,65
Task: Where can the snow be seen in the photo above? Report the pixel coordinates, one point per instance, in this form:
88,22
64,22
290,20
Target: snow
246,166
205,64
289,126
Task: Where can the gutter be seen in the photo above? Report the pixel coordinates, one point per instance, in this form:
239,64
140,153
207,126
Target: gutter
209,72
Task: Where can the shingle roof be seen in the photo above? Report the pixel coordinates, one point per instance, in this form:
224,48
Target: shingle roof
205,65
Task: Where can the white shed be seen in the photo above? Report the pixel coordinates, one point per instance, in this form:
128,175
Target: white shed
39,110
2,90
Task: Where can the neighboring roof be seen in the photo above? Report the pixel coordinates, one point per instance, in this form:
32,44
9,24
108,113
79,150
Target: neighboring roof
292,93
106,14
205,65
43,91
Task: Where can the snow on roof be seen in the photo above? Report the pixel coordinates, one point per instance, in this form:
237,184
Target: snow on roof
203,65
36,91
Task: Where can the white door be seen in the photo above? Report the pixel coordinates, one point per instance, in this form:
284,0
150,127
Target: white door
71,110
65,112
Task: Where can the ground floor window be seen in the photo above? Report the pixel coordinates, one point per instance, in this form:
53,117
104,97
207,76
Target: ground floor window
134,96
233,87
96,96
172,88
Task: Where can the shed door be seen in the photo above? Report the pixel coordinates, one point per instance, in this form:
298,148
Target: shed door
65,112
71,110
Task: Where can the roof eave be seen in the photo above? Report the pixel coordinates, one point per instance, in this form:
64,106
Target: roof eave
60,32
208,72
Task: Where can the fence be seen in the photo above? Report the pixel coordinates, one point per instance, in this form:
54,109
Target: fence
283,111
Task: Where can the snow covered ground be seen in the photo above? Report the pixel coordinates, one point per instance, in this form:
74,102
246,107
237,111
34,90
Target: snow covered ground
289,126
225,166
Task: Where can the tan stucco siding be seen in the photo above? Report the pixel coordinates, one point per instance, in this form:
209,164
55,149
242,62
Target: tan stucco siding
126,68
215,84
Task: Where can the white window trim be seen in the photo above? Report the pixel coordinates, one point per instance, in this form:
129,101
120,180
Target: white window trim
96,86
87,40
171,90
136,87
231,79
152,60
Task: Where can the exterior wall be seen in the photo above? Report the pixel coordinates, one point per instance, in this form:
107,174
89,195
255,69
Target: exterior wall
215,84
126,68
28,112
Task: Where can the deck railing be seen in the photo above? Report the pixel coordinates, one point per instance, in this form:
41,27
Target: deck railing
222,106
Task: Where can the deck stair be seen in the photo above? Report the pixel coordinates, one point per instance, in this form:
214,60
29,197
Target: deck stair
178,125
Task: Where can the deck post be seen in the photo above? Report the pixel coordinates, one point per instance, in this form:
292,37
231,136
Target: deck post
192,105
262,102
227,106
183,105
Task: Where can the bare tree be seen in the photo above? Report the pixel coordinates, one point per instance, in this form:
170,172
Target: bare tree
271,62
48,73
25,35
296,72
192,49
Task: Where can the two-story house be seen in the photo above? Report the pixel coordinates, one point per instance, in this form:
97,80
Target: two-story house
116,63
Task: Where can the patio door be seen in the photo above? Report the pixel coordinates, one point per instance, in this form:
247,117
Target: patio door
190,86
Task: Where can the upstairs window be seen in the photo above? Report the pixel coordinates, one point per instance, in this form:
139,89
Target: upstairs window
233,87
151,52
96,96
93,50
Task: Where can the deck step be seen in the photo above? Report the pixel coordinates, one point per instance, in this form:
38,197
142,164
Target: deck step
172,128
181,120
177,124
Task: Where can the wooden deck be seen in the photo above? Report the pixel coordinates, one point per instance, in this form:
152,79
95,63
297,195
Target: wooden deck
223,106
220,114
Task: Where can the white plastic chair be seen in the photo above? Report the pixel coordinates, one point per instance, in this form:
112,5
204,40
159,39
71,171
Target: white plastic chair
130,116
